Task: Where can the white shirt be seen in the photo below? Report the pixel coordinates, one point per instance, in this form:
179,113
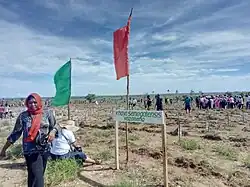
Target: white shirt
231,99
60,145
248,99
134,101
6,109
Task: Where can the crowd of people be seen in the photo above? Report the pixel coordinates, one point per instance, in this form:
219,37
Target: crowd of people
148,102
5,110
222,101
201,102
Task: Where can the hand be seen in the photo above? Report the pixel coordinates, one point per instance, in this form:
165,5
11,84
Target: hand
79,146
51,136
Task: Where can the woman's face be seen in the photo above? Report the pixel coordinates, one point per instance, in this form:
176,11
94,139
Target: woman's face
32,104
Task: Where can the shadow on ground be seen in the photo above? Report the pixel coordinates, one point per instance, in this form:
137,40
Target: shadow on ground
20,166
89,181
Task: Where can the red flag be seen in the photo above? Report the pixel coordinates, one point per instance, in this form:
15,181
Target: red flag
120,45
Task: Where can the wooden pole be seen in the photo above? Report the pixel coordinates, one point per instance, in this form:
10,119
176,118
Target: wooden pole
208,122
68,111
117,145
127,98
243,116
164,150
179,127
69,99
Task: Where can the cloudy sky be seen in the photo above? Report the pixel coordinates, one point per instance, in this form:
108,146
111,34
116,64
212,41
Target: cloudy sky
174,44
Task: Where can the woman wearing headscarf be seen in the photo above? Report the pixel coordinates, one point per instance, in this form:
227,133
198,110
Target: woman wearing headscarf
38,127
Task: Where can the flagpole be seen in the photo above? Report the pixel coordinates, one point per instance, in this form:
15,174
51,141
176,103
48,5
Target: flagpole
69,99
127,122
128,96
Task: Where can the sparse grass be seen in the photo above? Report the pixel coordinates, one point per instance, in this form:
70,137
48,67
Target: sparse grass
247,162
6,123
125,184
61,171
103,133
105,155
133,137
16,151
226,152
6,129
140,176
190,144
4,133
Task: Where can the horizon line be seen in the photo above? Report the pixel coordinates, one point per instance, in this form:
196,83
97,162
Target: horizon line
124,95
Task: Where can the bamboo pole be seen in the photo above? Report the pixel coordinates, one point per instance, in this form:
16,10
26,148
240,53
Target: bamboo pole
127,98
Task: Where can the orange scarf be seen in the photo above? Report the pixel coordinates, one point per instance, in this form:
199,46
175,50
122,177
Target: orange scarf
36,119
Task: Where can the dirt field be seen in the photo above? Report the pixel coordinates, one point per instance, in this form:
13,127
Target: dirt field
214,151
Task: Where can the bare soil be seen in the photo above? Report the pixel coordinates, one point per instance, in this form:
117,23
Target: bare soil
216,151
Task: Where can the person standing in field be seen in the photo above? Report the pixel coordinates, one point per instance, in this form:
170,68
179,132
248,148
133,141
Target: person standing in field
145,102
231,102
149,102
158,103
212,102
240,102
197,101
1,112
38,127
134,102
6,110
248,102
187,103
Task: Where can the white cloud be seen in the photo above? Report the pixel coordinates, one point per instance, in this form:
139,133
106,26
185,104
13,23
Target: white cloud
226,70
195,45
165,37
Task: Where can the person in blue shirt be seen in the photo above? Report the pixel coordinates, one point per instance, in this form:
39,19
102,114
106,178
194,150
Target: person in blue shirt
187,103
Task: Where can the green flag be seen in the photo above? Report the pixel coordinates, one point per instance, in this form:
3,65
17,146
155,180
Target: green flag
62,80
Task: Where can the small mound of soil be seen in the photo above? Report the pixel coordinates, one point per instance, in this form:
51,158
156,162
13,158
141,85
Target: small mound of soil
205,169
147,152
237,139
215,137
202,167
156,155
184,162
238,179
82,124
240,144
246,129
175,132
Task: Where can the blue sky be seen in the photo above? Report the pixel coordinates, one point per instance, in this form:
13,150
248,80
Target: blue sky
174,44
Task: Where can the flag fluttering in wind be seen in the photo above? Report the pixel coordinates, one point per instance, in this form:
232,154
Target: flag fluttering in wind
120,45
62,80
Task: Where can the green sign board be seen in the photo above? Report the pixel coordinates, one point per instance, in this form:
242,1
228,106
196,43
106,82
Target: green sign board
140,116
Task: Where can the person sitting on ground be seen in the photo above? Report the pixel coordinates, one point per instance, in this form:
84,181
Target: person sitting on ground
64,146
